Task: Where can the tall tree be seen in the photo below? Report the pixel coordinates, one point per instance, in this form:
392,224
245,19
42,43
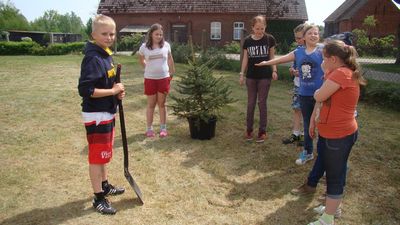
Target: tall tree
70,23
49,22
11,18
52,21
370,23
88,28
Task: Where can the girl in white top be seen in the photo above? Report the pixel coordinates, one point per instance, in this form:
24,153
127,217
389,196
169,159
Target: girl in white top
156,59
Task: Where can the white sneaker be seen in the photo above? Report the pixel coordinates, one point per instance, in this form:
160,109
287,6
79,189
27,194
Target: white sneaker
321,209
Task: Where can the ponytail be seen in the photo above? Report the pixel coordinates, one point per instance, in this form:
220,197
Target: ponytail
348,55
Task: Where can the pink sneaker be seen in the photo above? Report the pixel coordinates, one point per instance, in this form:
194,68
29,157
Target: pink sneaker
150,134
163,133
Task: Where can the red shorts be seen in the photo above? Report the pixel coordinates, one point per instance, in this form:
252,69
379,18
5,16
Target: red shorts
101,140
152,86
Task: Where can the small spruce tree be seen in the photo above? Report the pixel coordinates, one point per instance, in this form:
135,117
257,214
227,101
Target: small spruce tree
200,95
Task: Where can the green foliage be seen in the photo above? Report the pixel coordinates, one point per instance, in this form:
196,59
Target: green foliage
282,32
370,21
233,47
376,46
219,59
130,42
63,49
382,46
199,94
88,27
11,18
181,53
52,21
18,48
282,48
49,22
33,48
382,93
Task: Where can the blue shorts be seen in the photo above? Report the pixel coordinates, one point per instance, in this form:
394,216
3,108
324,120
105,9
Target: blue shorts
295,98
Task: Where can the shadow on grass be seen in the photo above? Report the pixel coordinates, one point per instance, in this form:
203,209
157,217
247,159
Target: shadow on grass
62,213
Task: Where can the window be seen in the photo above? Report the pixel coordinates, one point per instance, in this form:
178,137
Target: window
215,33
237,30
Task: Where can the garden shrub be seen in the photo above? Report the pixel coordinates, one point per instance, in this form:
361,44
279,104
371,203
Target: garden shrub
33,48
232,48
130,42
382,93
218,57
181,52
17,48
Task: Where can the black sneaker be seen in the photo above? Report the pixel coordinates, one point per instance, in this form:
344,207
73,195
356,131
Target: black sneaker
103,206
293,138
111,190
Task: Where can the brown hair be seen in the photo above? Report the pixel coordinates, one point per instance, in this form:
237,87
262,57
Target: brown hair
149,43
347,54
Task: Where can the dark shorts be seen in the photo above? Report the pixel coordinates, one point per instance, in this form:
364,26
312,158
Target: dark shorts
100,139
152,86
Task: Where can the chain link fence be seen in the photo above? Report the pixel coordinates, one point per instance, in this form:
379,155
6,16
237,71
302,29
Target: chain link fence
382,69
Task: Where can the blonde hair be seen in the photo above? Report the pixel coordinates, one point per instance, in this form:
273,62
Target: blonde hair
308,27
299,28
347,54
259,19
101,20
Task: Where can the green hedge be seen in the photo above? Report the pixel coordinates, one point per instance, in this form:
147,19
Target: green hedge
33,48
18,48
382,93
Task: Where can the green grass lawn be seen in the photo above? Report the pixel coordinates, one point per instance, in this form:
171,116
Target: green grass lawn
44,172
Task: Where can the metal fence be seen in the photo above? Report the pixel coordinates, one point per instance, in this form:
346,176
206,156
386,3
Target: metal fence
373,67
377,73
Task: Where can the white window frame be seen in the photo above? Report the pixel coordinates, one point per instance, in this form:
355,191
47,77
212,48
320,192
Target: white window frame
215,30
237,30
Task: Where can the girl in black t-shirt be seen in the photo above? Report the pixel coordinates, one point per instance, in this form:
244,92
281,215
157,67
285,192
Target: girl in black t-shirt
257,47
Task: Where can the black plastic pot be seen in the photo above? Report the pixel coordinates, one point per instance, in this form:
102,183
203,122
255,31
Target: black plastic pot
202,130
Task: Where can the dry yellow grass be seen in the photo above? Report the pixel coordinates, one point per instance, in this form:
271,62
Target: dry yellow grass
44,171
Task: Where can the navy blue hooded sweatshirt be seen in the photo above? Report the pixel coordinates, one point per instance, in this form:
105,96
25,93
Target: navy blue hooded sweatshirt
97,71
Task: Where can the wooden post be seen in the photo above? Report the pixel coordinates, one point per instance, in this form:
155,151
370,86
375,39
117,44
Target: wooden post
190,43
203,39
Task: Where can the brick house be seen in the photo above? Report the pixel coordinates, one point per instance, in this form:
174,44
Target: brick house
210,23
351,14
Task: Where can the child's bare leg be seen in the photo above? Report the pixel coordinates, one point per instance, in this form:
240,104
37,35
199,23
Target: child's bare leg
151,104
297,120
161,99
96,175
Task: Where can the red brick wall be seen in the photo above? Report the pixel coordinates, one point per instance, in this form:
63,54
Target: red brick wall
384,11
196,23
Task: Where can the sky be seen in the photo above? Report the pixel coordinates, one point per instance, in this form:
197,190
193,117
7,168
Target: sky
317,10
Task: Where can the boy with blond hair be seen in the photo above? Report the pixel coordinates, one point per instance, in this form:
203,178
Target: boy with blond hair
296,135
100,94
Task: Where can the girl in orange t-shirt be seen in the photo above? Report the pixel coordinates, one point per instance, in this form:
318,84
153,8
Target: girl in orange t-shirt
337,127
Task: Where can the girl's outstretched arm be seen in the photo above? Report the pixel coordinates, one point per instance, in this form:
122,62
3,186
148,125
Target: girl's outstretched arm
283,59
